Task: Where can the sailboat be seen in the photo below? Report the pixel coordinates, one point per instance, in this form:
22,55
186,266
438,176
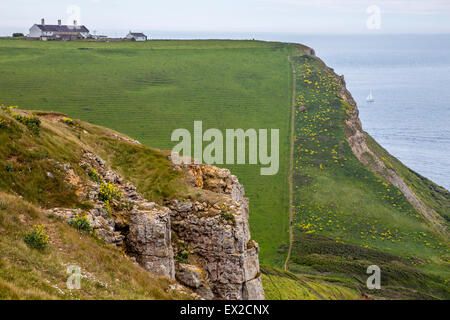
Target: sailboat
370,98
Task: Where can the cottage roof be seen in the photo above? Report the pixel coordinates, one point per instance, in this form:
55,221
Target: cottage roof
62,28
137,34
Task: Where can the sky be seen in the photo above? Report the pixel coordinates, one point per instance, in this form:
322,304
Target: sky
297,16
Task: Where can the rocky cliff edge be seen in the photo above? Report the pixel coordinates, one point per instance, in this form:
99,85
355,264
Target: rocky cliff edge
202,241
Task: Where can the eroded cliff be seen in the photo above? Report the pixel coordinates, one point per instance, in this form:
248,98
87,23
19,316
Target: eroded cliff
203,241
357,140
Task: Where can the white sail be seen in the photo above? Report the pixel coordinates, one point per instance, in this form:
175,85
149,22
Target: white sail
370,97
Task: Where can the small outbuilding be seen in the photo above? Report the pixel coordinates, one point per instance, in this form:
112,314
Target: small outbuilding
136,36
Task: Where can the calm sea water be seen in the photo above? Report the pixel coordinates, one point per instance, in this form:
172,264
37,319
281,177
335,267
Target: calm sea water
409,76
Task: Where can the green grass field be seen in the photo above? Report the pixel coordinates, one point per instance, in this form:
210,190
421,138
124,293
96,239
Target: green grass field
146,90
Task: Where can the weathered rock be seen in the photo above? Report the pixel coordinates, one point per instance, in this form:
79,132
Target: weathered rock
252,290
218,236
205,292
189,275
123,138
251,262
102,224
149,240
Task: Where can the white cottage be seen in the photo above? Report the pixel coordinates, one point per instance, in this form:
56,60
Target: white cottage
134,36
58,32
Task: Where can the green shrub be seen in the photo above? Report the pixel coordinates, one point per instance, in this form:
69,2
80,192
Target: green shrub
4,124
67,121
108,191
93,174
38,238
225,215
32,123
7,109
182,252
182,257
108,208
81,223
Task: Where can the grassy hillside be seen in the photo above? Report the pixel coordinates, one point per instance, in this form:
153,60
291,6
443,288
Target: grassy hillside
284,285
338,197
146,90
32,180
27,273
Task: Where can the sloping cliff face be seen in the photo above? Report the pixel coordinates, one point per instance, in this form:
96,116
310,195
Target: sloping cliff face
357,140
205,244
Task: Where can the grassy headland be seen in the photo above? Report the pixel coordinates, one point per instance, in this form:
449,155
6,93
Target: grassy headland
346,217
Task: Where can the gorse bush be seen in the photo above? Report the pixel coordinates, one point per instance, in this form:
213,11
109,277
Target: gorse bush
81,223
108,191
93,174
225,214
7,109
4,124
38,238
32,123
67,121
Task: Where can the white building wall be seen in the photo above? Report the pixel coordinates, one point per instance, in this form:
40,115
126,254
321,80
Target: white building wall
130,37
35,32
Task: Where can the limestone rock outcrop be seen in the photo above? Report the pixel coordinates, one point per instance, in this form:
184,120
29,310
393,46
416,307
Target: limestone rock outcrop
204,244
217,234
149,240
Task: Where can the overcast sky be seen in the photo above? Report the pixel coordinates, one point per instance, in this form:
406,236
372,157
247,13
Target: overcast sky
309,16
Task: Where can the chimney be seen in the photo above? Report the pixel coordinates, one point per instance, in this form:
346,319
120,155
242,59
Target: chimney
43,21
75,23
59,22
